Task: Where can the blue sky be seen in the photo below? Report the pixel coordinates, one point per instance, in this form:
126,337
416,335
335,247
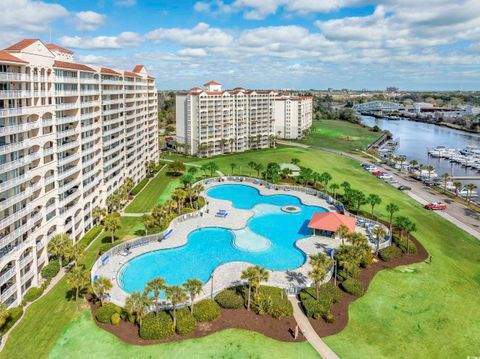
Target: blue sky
412,44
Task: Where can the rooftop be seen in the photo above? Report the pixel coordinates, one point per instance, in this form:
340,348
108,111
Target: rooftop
330,221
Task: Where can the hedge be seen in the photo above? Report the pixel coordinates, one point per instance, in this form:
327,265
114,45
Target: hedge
91,235
206,310
352,286
229,299
157,326
317,308
105,313
186,323
271,300
139,186
32,294
389,253
51,269
105,247
13,315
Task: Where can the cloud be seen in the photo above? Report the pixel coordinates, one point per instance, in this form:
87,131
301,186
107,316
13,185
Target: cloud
27,15
202,35
88,20
192,52
125,39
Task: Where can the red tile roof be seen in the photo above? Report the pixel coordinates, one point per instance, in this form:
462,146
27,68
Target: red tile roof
330,221
5,56
211,83
53,47
105,70
72,66
19,46
130,74
138,68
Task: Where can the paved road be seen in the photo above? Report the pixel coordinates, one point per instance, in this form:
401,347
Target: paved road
456,213
309,333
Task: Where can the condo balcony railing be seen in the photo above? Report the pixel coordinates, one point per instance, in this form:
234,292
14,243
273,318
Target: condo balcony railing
66,93
66,105
66,133
70,185
112,92
68,172
23,262
68,159
7,275
41,260
68,146
14,93
27,276
8,292
8,130
66,119
89,92
112,141
14,76
112,131
19,196
66,79
113,111
89,162
15,216
5,185
19,162
88,115
88,80
89,103
69,198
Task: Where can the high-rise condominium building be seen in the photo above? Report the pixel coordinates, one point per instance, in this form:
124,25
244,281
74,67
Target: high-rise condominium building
69,136
293,116
212,121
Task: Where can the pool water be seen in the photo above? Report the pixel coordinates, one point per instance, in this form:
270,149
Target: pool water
268,240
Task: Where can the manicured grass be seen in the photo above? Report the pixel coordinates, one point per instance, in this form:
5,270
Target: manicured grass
408,311
157,190
45,319
340,135
233,343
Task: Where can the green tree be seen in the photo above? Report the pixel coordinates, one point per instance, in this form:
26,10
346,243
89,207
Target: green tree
136,304
112,223
358,199
295,161
259,168
373,199
156,286
391,208
445,178
176,167
321,264
429,170
128,184
77,279
251,165
334,187
233,166
470,188
101,286
60,246
193,171
325,178
251,276
76,253
193,287
457,185
379,232
342,232
149,222
98,213
177,296
405,226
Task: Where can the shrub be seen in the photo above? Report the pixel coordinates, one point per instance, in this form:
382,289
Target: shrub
32,294
115,319
352,286
105,247
229,299
206,310
105,313
12,316
51,269
139,186
91,235
341,275
157,326
412,249
273,301
329,318
389,253
319,308
186,323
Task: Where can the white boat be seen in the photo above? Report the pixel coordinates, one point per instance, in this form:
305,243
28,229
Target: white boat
465,192
470,150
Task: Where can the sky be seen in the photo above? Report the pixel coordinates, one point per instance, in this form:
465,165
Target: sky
301,44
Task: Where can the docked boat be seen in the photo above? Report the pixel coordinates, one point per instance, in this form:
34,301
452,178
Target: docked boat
470,150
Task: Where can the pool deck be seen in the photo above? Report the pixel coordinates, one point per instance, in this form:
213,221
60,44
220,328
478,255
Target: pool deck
227,274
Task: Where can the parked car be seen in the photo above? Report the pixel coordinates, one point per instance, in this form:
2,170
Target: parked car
371,168
404,188
386,177
436,206
377,173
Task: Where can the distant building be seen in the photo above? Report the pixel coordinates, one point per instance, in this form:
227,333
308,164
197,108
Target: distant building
392,89
293,116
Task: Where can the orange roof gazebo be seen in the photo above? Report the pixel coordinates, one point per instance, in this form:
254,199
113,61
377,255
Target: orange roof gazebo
330,221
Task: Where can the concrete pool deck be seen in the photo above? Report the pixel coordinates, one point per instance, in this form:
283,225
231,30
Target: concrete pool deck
227,274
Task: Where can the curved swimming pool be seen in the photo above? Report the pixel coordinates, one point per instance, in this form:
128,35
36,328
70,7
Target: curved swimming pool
268,240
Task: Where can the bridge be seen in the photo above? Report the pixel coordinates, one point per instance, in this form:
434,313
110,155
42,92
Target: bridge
472,178
377,106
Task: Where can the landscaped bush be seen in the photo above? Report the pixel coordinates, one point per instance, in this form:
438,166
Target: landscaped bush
115,319
105,247
271,300
320,308
139,186
229,299
51,269
157,326
91,235
12,316
206,310
389,253
186,322
352,286
105,313
32,294
341,275
412,249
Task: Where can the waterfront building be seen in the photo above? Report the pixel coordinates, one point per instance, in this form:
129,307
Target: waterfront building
69,135
212,121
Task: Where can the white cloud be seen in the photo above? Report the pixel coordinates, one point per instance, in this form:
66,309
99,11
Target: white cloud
192,52
201,35
125,39
27,15
88,20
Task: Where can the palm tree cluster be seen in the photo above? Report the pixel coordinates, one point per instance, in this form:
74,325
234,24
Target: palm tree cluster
137,303
254,276
119,197
355,255
321,264
209,168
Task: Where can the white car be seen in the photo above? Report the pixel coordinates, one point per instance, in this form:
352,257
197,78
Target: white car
372,169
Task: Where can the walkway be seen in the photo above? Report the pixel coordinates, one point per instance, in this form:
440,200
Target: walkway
309,333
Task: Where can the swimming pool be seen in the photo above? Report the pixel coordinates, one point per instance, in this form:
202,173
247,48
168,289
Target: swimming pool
268,240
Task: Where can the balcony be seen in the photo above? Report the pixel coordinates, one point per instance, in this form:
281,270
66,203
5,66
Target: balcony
7,130
113,131
8,293
88,104
5,185
68,172
112,141
67,133
27,276
69,185
68,159
89,92
66,79
15,216
65,120
15,94
19,162
89,80
26,260
14,76
85,116
7,275
112,111
67,146
59,93
112,92
63,202
66,106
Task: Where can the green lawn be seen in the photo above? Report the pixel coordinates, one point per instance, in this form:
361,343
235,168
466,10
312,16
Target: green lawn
156,191
82,338
340,135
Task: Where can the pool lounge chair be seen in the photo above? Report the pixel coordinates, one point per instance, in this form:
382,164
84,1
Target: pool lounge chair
221,214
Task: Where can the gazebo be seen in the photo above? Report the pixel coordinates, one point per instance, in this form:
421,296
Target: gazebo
326,223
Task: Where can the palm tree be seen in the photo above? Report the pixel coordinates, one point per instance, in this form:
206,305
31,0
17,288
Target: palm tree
334,187
77,279
179,196
112,224
356,239
259,168
358,199
346,188
429,170
445,178
379,231
177,296
213,167
262,277
76,253
193,287
325,177
470,188
347,258
251,165
373,199
413,164
98,213
251,276
149,223
295,161
101,286
232,166
286,172
60,246
193,171
342,232
136,303
457,185
392,208
128,184
204,168
405,225
320,266
155,286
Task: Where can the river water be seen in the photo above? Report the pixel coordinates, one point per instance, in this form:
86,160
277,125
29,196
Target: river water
417,137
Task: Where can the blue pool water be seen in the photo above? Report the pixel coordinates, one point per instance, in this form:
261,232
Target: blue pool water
207,248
